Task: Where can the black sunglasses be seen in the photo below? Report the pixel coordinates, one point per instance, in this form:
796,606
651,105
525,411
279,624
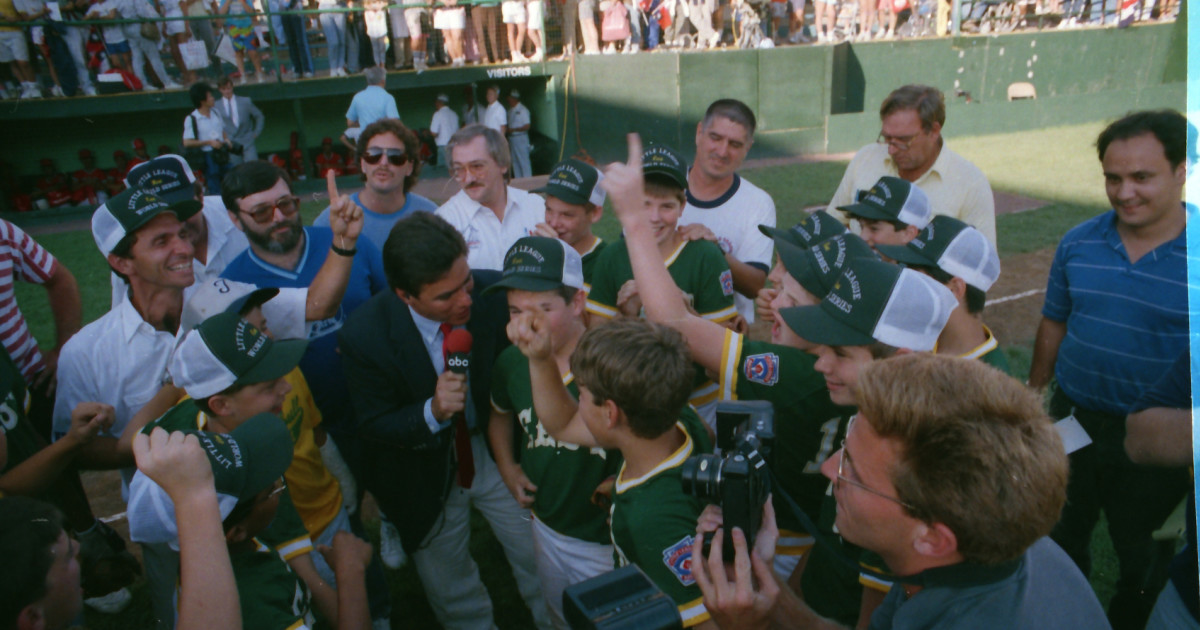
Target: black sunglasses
396,157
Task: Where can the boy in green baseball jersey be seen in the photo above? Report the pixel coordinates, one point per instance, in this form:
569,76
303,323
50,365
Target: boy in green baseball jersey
891,212
574,203
633,379
247,467
960,257
556,480
697,267
807,421
234,371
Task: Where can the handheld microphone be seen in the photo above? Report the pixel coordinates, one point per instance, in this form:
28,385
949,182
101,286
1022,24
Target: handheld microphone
458,350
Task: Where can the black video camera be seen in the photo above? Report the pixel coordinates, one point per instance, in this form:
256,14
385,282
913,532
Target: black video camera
735,477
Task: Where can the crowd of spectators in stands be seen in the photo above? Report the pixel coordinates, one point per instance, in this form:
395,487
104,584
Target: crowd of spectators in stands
86,46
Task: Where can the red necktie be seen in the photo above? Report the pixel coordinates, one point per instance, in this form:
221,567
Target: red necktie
462,436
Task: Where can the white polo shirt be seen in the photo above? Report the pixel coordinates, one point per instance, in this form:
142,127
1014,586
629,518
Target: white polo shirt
489,238
494,116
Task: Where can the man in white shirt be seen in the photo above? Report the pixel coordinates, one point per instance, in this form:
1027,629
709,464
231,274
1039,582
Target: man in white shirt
443,126
490,214
518,135
726,209
203,129
911,147
494,117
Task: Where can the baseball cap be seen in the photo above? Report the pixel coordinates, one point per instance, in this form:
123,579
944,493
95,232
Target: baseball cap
954,247
514,93
226,350
219,296
812,229
85,154
244,462
138,143
893,199
663,160
540,263
168,177
818,267
876,301
575,182
443,98
130,210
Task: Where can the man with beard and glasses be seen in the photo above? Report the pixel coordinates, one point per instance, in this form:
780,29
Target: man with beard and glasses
283,253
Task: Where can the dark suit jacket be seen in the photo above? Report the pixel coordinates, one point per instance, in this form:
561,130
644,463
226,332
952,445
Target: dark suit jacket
410,470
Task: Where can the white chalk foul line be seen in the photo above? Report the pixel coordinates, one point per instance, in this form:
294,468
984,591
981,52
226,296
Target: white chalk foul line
1009,298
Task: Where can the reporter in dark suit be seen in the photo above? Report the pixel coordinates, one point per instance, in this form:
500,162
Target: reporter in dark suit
242,119
411,412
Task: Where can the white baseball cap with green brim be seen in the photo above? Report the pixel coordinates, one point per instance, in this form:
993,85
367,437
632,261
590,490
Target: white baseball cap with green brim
127,212
540,263
893,199
874,301
954,247
226,350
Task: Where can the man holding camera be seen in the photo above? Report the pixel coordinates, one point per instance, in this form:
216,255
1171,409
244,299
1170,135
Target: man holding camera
956,494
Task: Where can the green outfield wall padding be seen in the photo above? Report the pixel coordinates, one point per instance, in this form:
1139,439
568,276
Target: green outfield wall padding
808,99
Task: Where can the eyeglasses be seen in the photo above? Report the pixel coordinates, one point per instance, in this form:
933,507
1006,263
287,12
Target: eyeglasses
844,457
476,169
899,143
396,157
264,212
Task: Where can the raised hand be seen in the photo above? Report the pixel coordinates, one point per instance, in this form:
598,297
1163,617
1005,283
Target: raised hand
345,217
624,183
531,334
174,461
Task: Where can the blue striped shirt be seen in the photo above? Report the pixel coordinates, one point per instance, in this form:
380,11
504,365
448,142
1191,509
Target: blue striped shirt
1126,322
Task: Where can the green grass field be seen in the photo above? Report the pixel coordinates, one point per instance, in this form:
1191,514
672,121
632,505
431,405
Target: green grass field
1057,165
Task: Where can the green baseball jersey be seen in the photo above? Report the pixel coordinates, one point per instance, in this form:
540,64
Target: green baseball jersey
589,262
807,422
990,353
286,534
565,474
271,596
697,267
22,438
654,521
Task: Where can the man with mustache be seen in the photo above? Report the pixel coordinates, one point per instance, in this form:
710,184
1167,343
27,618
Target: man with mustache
490,214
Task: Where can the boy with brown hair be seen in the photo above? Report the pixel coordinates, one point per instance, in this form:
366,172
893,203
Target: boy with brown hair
633,379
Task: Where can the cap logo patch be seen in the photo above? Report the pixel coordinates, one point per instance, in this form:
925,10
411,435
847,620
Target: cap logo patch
883,189
855,289
247,332
804,234
819,256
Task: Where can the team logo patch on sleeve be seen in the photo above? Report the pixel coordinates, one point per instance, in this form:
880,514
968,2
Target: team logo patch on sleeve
678,558
763,368
727,282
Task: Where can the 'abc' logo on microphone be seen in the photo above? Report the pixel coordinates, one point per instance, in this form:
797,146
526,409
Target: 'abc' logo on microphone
458,361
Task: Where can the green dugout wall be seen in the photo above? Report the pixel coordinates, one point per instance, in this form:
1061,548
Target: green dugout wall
809,99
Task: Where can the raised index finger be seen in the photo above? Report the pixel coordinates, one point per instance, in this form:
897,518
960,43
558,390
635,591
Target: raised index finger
331,185
635,151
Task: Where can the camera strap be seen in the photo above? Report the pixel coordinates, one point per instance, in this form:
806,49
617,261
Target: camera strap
821,539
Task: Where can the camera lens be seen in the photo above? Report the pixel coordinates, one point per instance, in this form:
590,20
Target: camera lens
701,476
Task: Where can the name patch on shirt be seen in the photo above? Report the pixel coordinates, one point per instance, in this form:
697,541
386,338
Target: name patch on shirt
678,558
763,368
